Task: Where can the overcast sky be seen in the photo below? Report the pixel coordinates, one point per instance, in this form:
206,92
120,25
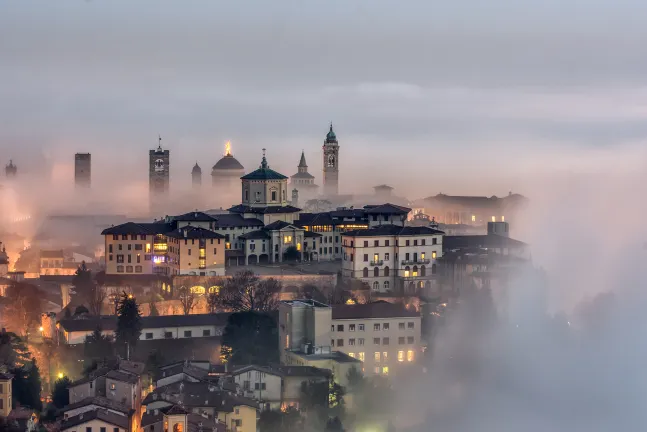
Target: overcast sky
462,96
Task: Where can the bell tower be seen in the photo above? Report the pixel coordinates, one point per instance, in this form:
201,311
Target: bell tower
158,176
331,164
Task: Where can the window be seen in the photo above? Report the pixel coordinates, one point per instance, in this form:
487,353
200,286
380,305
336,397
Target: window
386,285
365,243
410,355
168,335
187,333
1,388
149,335
117,429
423,271
384,354
422,255
400,356
376,327
215,251
376,243
410,325
113,386
377,370
386,256
110,248
287,239
351,327
409,339
385,326
433,255
415,242
130,247
110,257
138,269
129,269
332,328
360,341
340,342
120,269
361,356
377,356
423,241
400,326
115,237
365,257
139,258
385,370
376,286
351,342
406,257
258,386
120,247
1,403
385,341
376,341
407,270
376,272
147,257
350,354
433,269
332,342
120,259
130,258
340,327
273,195
407,242
365,272
434,241
386,242
102,429
89,429
206,332
360,327
386,271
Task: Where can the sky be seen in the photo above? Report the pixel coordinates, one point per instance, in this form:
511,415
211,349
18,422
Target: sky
482,98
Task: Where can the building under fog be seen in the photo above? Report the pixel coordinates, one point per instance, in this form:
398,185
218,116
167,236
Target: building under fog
303,182
159,177
225,176
196,176
11,170
82,170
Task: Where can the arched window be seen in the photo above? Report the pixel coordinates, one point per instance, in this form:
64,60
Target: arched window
376,285
198,289
214,289
386,285
422,270
415,271
386,271
433,269
178,427
365,272
407,271
376,272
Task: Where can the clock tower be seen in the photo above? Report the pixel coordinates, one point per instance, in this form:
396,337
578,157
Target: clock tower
331,164
158,176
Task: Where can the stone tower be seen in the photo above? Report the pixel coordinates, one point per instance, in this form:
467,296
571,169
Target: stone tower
158,176
11,170
295,198
82,170
196,176
331,164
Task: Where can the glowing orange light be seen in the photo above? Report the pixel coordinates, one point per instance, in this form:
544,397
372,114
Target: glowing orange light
228,148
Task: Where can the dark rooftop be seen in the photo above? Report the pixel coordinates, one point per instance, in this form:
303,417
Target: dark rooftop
99,401
149,228
194,216
194,232
264,210
228,162
285,371
103,415
109,322
480,242
51,254
235,220
378,309
122,376
197,394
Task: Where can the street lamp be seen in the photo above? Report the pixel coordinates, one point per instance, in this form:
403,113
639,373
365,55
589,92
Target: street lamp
41,329
60,375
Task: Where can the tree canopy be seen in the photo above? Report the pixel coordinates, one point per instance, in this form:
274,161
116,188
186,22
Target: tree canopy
61,394
23,308
244,291
250,338
98,346
129,323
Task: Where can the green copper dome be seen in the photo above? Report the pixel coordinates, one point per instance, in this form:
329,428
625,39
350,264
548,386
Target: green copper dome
331,137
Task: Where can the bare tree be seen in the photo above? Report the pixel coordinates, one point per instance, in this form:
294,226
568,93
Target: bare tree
245,292
96,298
213,286
187,299
22,309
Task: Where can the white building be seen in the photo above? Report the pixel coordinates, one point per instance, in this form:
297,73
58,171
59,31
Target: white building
393,258
383,336
303,181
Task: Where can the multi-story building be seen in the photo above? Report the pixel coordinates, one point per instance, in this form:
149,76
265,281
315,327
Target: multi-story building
201,251
392,257
82,170
384,336
303,182
331,164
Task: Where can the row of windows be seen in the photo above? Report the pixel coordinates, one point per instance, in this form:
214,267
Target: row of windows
376,326
129,269
202,251
187,334
376,243
132,237
383,357
136,246
376,341
408,271
101,429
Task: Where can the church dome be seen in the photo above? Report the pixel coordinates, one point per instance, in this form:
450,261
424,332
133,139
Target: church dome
330,136
228,162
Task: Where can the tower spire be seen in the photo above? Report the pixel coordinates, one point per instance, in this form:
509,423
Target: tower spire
302,162
264,161
159,142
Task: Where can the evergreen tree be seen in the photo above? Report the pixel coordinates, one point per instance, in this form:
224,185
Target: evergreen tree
61,394
129,322
97,346
33,386
250,338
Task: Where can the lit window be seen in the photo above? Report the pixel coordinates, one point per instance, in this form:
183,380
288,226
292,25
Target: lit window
415,273
385,370
376,257
351,355
361,356
377,369
410,355
384,354
377,356
400,356
148,248
298,246
422,255
473,218
113,386
502,218
493,218
433,255
406,273
287,239
227,245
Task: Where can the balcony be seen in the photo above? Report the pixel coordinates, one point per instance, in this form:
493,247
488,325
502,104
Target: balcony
418,261
377,263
